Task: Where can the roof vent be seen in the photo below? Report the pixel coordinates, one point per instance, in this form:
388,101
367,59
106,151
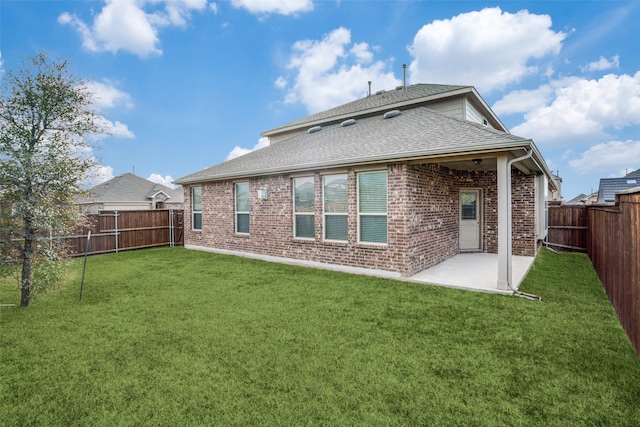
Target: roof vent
348,122
391,114
380,92
399,87
315,129
632,181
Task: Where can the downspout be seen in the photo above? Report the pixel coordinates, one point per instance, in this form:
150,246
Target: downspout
510,230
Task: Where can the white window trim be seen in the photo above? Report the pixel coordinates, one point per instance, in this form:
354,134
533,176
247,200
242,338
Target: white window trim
193,211
312,214
386,214
235,206
324,214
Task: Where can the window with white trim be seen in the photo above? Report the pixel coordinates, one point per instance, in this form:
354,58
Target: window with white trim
372,207
303,207
335,204
242,207
196,208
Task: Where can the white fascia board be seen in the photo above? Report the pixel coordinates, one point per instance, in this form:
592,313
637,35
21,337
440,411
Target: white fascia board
489,110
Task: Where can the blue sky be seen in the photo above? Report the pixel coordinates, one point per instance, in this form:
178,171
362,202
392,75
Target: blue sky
186,84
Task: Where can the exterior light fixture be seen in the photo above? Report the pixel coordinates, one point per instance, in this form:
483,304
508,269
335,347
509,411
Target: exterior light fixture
477,161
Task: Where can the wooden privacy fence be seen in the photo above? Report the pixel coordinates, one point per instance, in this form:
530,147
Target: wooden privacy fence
114,231
614,250
568,227
611,237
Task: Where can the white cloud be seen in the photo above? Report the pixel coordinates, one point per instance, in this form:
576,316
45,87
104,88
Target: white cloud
282,7
126,25
603,64
98,175
120,130
584,109
333,71
489,49
239,151
362,53
167,181
280,83
108,96
522,101
607,157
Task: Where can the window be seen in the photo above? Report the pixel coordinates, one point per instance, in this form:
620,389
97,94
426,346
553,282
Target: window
335,213
468,206
303,207
196,208
242,207
372,207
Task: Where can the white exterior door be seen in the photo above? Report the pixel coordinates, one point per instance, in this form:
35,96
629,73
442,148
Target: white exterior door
470,224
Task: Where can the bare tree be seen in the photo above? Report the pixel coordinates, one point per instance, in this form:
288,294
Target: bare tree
45,120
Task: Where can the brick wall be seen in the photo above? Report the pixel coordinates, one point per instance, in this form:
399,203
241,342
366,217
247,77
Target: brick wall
423,211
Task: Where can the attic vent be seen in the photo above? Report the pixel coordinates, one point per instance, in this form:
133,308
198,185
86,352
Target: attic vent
391,114
348,122
632,181
315,129
399,87
380,92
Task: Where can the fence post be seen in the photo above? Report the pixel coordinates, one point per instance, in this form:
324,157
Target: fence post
115,214
171,230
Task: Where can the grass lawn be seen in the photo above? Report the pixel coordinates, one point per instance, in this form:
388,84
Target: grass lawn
172,337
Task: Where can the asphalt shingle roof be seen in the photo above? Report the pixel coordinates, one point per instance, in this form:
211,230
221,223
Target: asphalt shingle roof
415,133
378,100
608,186
129,188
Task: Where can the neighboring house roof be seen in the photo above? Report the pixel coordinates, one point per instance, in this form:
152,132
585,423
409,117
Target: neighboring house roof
130,188
387,100
583,199
609,186
416,133
577,200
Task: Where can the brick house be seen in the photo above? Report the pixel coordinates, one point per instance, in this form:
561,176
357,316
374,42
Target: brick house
398,181
129,192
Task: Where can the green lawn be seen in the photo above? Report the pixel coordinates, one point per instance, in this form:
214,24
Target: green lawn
172,337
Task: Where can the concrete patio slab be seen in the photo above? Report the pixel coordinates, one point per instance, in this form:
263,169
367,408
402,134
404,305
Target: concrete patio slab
474,271
477,272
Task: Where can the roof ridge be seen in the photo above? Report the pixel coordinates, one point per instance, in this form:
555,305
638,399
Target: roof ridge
373,101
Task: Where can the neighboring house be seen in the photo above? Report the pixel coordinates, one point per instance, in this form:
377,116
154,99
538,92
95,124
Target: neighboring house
609,186
130,192
583,199
555,195
397,181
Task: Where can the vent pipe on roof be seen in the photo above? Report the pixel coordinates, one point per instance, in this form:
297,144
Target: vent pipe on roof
404,76
369,95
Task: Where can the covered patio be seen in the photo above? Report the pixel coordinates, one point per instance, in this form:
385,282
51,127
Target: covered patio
474,271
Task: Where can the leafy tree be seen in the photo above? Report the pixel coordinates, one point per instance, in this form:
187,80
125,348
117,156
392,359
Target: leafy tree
45,119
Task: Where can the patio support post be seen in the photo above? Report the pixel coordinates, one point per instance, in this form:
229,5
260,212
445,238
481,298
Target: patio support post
504,253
